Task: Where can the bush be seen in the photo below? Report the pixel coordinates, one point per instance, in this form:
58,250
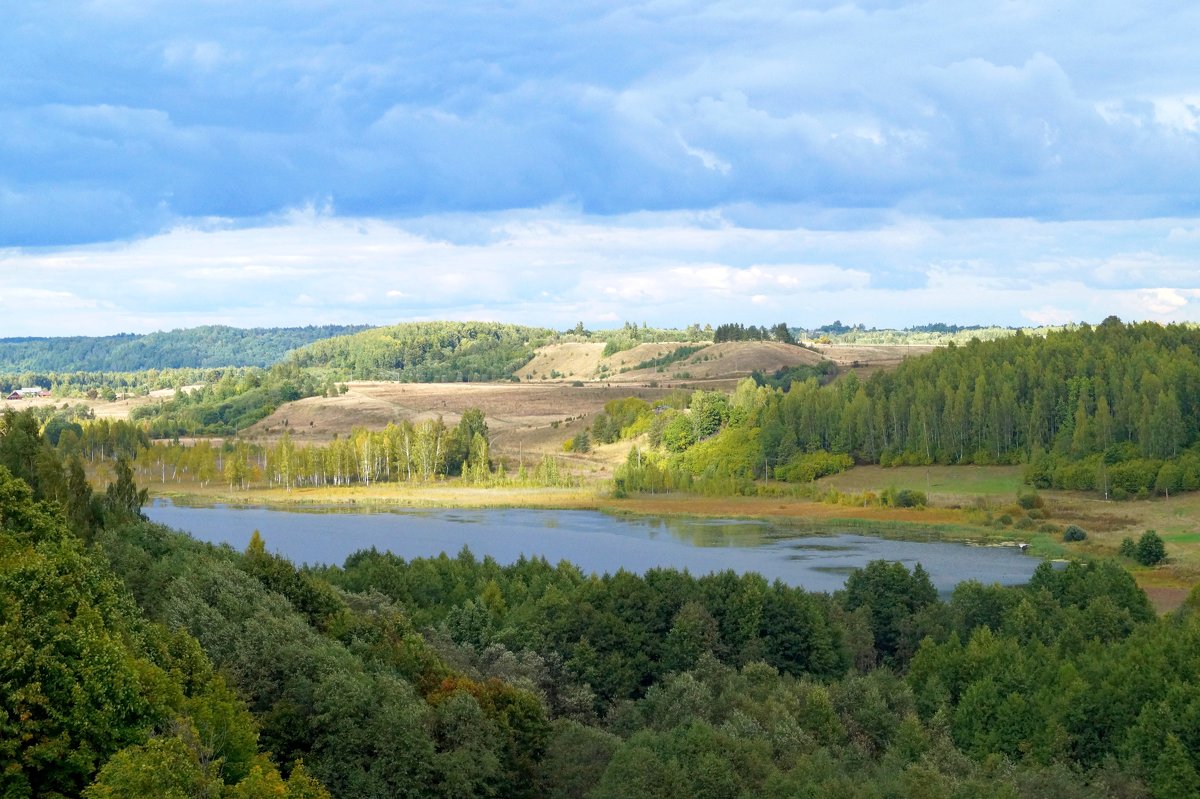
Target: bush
1074,533
1150,549
1005,519
904,498
1030,500
808,466
1128,549
1049,527
1036,513
1024,523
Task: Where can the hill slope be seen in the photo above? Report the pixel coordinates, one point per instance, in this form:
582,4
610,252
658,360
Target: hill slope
668,359
428,352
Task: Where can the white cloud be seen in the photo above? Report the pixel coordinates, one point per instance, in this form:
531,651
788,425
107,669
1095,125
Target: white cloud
1181,114
555,267
710,160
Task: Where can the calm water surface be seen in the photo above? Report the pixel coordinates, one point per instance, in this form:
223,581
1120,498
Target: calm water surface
595,541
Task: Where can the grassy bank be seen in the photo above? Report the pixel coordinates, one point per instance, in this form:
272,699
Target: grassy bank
960,499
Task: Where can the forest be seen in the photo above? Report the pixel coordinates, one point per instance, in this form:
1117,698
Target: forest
429,352
204,347
139,662
1112,408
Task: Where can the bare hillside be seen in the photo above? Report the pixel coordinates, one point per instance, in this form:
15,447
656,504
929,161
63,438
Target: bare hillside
867,358
728,360
725,361
525,420
572,361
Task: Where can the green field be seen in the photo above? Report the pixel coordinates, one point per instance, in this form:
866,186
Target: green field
942,484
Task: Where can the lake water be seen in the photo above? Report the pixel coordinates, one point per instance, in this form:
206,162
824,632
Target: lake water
597,542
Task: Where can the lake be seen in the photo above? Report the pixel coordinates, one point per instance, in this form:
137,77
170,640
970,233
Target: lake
597,542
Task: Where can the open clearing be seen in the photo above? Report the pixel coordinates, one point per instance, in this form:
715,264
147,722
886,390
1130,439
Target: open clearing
120,409
525,420
1176,519
535,416
865,359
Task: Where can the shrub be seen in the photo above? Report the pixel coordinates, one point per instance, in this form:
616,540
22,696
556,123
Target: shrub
1074,533
904,498
1030,500
1150,550
1024,523
806,467
1049,527
1036,513
1128,549
1005,519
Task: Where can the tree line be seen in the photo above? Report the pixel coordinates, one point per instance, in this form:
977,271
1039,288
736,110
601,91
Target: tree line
203,347
735,331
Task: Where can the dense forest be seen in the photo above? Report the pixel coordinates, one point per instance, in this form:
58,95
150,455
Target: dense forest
204,347
1112,408
430,352
138,662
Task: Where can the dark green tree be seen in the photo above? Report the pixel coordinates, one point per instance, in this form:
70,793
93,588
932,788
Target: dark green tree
122,498
1150,549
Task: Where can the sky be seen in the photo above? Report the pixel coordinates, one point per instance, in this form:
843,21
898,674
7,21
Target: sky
167,165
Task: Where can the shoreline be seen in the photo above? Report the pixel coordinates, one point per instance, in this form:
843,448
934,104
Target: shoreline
1167,586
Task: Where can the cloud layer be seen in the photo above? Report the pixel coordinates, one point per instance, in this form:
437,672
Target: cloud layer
855,148
557,267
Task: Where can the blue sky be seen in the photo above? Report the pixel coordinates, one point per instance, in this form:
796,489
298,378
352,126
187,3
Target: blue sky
166,164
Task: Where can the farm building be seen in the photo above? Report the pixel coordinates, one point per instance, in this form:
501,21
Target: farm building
25,393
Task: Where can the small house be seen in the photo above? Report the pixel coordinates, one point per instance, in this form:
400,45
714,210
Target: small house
25,393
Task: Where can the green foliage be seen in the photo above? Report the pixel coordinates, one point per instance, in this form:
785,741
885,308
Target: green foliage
808,466
162,767
228,404
199,347
1030,500
630,335
90,690
1074,532
428,352
619,418
674,356
674,430
1150,550
893,597
123,499
906,498
77,685
1089,408
536,680
782,379
735,331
